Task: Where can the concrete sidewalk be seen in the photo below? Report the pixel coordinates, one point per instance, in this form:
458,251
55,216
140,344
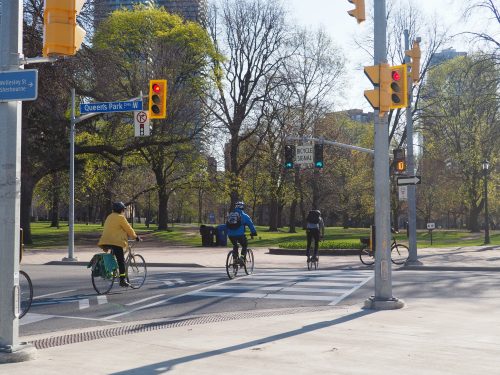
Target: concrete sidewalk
437,332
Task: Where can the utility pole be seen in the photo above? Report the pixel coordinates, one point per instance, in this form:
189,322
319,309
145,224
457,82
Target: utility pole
383,298
412,205
11,32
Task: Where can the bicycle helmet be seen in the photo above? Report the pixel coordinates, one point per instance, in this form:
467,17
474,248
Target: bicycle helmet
240,205
118,207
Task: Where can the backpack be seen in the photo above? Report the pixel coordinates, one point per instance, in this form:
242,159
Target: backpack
233,220
313,217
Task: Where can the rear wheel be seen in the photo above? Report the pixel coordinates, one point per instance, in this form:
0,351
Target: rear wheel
25,293
231,265
249,262
136,271
102,284
399,254
366,256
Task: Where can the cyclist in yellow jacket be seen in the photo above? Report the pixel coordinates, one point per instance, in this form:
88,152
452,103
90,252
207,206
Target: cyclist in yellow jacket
115,235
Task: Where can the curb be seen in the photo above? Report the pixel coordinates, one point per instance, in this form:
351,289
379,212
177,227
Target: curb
302,252
448,268
61,263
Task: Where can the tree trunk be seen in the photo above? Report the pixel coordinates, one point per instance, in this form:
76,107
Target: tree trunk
27,187
474,219
162,208
273,215
54,210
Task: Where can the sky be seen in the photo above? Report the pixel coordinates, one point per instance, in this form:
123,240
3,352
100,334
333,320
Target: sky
332,16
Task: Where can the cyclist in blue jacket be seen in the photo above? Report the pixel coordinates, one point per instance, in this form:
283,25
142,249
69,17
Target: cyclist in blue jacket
236,223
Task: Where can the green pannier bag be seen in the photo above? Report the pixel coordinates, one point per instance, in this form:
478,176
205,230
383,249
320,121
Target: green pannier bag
103,265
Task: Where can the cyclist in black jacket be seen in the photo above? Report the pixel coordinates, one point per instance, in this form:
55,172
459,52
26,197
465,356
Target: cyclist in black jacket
315,228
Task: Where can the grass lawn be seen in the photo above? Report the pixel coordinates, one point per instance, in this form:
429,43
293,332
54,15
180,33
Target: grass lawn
188,234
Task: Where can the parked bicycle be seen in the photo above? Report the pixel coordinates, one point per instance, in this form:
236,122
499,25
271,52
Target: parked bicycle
105,270
25,284
399,252
234,264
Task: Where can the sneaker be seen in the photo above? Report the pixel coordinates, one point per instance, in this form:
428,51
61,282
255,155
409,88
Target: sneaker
308,259
124,283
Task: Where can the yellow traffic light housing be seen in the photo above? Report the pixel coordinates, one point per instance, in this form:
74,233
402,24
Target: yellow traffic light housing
61,34
359,11
398,87
415,54
158,99
380,96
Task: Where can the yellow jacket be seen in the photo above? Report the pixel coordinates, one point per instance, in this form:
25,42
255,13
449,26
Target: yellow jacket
116,231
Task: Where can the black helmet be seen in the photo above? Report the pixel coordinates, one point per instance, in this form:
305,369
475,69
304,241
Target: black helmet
118,207
240,205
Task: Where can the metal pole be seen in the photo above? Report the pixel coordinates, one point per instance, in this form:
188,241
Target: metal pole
486,216
383,299
71,233
11,32
412,205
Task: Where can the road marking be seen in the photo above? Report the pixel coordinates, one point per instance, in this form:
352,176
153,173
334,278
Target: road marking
27,319
83,304
334,302
53,294
144,300
164,301
102,300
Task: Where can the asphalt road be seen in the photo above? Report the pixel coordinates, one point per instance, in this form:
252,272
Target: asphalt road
64,298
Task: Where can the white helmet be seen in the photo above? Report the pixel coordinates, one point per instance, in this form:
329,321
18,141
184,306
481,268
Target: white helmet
240,205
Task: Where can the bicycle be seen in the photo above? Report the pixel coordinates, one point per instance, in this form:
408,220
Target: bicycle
234,264
313,262
399,253
25,284
103,279
25,293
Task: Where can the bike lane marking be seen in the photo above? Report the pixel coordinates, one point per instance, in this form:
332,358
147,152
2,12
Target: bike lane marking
53,294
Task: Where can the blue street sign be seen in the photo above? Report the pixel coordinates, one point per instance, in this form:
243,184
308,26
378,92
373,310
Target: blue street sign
18,85
133,105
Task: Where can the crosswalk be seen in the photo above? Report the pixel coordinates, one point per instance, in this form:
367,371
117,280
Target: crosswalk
328,286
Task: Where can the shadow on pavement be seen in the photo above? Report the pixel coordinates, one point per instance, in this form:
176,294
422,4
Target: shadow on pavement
168,365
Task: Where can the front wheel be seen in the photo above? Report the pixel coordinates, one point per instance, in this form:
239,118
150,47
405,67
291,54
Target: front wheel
231,265
249,262
25,293
366,256
136,271
399,254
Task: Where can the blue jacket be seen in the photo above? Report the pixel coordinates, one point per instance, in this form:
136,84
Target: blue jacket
245,221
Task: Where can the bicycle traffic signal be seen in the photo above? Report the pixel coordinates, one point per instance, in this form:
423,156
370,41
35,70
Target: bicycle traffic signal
359,11
318,155
399,160
415,54
157,98
289,156
61,34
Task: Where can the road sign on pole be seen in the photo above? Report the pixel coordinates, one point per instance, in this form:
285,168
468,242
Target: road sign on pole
141,124
403,193
106,107
304,155
409,180
18,85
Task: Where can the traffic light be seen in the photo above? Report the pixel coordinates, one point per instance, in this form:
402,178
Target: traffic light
157,98
380,96
318,155
398,88
61,34
359,11
415,54
399,160
289,156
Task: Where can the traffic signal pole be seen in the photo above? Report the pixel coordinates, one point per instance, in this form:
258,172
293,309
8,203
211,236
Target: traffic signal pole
11,31
412,205
383,298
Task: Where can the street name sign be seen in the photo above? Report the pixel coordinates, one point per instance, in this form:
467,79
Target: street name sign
106,107
304,155
409,180
18,85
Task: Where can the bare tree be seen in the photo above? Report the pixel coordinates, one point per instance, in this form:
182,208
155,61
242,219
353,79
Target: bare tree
249,35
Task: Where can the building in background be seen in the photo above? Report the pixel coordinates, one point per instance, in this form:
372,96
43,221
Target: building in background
444,55
192,10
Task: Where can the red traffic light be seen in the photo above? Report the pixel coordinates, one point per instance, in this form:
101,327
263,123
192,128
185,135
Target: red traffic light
395,75
156,87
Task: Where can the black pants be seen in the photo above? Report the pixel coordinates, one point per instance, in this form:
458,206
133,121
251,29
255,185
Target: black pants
244,243
117,251
312,233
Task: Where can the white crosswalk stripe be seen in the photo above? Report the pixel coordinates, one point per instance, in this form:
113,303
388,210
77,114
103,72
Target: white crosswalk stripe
329,286
164,281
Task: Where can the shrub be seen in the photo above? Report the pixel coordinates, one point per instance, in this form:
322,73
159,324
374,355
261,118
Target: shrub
329,244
